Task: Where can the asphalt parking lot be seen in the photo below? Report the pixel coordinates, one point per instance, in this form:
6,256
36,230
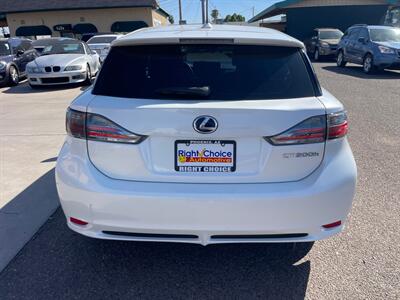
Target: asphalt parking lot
361,263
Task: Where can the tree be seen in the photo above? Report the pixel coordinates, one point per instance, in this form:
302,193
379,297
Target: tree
235,18
214,15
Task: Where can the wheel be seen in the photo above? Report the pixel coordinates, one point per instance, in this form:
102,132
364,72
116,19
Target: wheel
13,76
88,80
316,54
368,64
340,62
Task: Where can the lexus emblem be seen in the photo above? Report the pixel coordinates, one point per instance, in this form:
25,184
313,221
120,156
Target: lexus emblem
205,124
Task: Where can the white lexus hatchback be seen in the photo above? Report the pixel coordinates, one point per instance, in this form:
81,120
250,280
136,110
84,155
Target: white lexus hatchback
206,135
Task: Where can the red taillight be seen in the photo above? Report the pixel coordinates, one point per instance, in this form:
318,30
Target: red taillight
95,127
99,128
337,125
332,225
312,130
78,222
75,123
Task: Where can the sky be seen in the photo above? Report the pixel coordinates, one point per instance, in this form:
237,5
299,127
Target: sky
191,9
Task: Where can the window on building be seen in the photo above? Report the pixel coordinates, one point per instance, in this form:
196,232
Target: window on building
393,17
34,32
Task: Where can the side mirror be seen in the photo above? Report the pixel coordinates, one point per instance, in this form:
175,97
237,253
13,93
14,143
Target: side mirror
20,52
362,40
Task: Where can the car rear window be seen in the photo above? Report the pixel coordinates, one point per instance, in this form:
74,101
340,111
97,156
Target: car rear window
101,39
212,72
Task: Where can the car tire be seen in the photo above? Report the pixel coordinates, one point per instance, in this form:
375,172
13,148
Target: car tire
316,55
340,61
368,64
13,76
88,80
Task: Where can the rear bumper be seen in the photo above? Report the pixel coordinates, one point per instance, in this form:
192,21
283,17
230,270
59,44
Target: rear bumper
327,51
196,213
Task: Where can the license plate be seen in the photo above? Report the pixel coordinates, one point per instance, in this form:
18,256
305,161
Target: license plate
205,156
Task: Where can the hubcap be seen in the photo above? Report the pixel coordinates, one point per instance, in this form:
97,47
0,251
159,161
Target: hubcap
367,64
340,58
14,74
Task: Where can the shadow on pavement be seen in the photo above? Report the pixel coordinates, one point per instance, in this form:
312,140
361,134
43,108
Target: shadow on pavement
60,264
24,88
51,159
357,71
22,217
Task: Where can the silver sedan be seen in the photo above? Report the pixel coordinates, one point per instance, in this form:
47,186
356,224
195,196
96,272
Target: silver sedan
64,62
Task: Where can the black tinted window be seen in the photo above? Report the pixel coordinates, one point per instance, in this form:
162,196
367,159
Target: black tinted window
15,44
26,45
363,33
101,40
218,72
353,35
4,48
330,35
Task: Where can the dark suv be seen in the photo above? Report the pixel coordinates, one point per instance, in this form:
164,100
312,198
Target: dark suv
15,54
323,42
373,47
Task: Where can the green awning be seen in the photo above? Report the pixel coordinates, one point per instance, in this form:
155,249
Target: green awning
127,26
33,30
84,28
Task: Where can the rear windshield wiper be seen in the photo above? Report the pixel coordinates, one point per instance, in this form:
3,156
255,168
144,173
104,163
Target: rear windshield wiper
197,91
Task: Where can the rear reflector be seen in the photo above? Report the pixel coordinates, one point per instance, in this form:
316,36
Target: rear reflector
332,225
152,235
78,222
259,236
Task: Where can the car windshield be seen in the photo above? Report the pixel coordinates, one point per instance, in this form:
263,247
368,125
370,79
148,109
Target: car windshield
218,72
4,48
384,35
101,39
64,48
330,35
